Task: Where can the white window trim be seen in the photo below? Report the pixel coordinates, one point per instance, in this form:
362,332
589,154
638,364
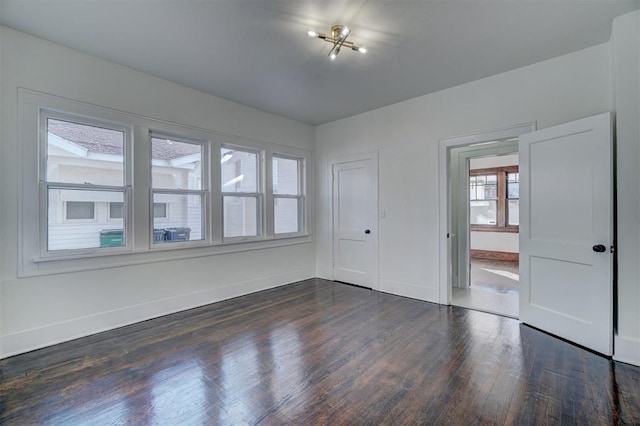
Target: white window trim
139,235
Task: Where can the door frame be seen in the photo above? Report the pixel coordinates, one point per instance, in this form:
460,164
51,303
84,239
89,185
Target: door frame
373,157
446,219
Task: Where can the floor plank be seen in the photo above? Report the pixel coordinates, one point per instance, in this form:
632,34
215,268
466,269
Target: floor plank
318,352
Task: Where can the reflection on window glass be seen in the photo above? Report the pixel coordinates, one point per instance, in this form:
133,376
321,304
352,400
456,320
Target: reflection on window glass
239,171
176,164
76,219
79,154
286,213
240,216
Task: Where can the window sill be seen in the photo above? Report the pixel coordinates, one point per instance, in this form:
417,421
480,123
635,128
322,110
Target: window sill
102,260
508,229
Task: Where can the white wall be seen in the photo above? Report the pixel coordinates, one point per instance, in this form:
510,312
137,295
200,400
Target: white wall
625,49
43,310
406,135
494,241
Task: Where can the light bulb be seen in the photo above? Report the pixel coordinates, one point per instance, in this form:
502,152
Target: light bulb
312,34
362,50
345,31
333,56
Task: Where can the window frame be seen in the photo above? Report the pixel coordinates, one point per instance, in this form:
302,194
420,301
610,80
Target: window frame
300,197
502,205
45,114
259,195
203,192
33,260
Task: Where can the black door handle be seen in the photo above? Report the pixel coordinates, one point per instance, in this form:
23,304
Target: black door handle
367,231
599,248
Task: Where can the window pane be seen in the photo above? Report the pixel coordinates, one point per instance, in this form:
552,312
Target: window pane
240,216
483,212
182,220
513,185
116,210
286,215
513,190
77,219
176,165
285,176
80,210
239,171
79,153
513,214
483,187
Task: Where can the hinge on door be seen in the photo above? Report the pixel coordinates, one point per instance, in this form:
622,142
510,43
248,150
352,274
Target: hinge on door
612,249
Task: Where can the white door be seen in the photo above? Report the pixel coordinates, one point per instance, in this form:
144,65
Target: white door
355,222
566,231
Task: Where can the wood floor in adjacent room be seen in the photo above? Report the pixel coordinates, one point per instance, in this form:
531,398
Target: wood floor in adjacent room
318,352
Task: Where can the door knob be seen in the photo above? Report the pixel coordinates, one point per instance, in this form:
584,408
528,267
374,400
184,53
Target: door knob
599,248
367,231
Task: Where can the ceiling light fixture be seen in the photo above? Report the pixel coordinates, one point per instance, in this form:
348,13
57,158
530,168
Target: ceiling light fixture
338,38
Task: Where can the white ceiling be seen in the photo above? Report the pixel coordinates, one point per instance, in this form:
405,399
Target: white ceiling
257,53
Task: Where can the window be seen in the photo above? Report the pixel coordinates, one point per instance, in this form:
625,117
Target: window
483,199
84,169
116,210
78,210
494,199
513,198
241,193
195,189
287,195
177,186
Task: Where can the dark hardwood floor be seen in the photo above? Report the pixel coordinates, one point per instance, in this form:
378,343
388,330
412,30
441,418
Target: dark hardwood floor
318,352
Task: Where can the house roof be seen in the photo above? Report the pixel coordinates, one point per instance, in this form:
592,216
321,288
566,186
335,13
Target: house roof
108,141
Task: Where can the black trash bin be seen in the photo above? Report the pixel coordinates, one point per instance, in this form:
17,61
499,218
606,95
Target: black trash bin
177,234
159,235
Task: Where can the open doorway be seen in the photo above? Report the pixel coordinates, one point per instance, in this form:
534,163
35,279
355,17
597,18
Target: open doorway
492,226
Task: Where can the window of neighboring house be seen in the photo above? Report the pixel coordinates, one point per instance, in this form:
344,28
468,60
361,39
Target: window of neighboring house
177,184
116,210
288,200
494,199
79,210
241,193
84,167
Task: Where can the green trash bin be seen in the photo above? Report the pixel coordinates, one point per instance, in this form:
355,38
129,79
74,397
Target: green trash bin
111,238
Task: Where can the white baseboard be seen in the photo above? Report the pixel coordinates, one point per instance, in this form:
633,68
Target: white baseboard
414,291
627,350
51,334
